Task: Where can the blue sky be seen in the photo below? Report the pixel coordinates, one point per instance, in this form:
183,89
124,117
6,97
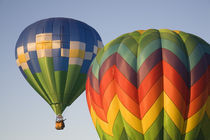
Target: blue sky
23,113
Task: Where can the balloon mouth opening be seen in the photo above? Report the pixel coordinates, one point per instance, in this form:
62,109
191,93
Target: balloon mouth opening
59,124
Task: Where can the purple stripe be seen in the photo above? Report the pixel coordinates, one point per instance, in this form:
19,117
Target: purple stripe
126,70
109,62
93,81
148,64
198,71
156,57
122,66
177,64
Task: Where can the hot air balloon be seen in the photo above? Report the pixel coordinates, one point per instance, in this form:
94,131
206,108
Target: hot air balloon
151,85
54,56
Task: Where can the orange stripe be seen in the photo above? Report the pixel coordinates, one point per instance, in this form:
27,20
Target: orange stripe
197,103
174,95
106,79
99,111
151,97
176,79
88,94
108,96
127,102
96,97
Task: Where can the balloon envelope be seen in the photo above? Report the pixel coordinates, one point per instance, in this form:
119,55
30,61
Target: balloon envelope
54,55
151,84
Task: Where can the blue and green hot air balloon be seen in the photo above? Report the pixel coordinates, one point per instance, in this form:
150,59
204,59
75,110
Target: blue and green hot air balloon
54,56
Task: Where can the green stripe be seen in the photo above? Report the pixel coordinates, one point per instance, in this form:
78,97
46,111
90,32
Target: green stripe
117,129
127,55
196,56
78,88
48,80
131,45
203,126
34,82
173,37
171,128
71,81
166,135
162,127
190,41
95,68
146,38
109,52
147,51
60,81
135,35
155,128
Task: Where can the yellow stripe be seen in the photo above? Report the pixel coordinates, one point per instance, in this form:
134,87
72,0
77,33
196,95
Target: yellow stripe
152,113
77,53
98,50
111,116
208,107
143,125
193,121
44,45
93,115
132,120
173,113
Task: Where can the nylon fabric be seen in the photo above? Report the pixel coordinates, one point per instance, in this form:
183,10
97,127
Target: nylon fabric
151,84
54,56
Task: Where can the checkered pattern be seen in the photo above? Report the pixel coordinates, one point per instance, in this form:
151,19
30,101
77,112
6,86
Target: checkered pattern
46,47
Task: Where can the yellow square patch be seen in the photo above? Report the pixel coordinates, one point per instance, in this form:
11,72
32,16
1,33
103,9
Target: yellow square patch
77,53
22,58
44,45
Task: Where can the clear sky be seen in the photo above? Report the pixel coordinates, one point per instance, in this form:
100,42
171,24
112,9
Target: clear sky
24,115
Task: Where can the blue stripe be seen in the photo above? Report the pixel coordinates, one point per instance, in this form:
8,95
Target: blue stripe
60,63
33,65
89,41
32,54
63,29
56,52
85,66
65,45
23,73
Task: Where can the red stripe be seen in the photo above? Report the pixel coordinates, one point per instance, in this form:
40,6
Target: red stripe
197,103
127,102
106,79
199,86
149,81
126,86
175,78
96,97
174,95
99,112
88,94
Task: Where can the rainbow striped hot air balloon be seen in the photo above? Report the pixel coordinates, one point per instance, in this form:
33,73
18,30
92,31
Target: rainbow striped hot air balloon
150,85
54,56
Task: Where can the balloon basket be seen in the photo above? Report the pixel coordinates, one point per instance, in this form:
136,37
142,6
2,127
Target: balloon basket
59,124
